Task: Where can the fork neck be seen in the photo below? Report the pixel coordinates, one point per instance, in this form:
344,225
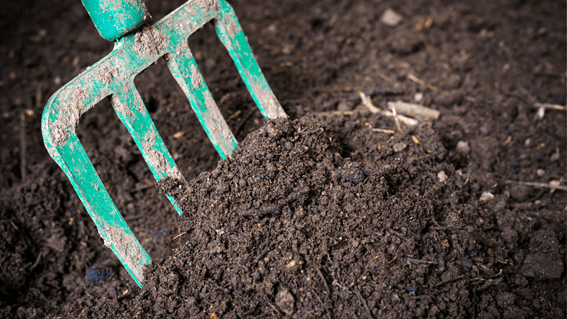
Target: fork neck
115,18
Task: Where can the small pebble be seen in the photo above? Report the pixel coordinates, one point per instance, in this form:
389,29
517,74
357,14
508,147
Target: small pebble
528,142
442,176
463,147
398,147
418,97
391,18
344,106
486,197
285,301
555,156
449,98
540,113
406,42
553,183
505,299
540,172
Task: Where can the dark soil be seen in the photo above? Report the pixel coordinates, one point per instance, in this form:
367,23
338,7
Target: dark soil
317,215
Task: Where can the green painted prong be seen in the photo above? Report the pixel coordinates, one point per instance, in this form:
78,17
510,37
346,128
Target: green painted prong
114,18
186,72
231,35
131,110
68,152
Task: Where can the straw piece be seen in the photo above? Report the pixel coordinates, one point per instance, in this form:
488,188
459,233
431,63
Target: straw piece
414,110
368,103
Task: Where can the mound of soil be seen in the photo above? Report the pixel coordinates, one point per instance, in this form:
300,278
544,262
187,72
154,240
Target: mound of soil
318,215
326,218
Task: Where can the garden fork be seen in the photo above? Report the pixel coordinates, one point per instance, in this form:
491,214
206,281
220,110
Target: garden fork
138,46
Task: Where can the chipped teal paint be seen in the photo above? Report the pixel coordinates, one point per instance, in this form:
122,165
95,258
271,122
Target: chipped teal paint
75,163
231,35
114,76
115,18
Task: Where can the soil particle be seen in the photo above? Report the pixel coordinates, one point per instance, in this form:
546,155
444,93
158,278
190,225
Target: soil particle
449,98
463,147
543,262
542,266
486,197
405,42
399,147
391,18
57,242
285,301
442,176
505,299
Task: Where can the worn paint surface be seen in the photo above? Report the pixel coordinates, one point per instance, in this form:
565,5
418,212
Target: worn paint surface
114,76
115,18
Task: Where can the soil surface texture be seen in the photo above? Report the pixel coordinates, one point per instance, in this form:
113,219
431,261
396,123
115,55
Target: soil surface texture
338,211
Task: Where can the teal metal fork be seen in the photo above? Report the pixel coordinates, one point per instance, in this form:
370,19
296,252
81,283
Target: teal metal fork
137,47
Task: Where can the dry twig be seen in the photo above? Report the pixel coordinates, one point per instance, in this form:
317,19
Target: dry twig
396,120
414,110
323,279
328,314
550,106
422,83
368,103
448,281
368,313
177,236
381,130
540,106
542,185
23,147
271,305
420,261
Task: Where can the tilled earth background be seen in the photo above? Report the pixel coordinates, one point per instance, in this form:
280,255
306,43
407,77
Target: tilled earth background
335,212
